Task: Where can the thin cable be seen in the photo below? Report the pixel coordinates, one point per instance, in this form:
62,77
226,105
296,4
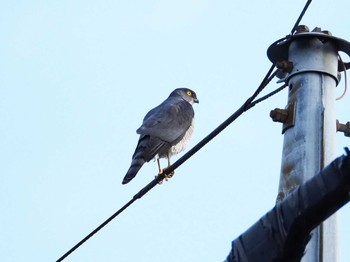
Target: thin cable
268,95
345,79
300,17
96,230
246,106
137,196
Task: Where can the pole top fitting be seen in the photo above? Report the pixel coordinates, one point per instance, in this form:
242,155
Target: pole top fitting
301,29
280,50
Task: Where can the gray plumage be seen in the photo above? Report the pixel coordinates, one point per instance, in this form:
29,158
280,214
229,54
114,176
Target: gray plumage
165,130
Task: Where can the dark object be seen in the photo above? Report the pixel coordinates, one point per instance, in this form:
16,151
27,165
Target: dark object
282,234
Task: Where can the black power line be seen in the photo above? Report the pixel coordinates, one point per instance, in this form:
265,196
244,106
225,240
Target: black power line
245,107
300,16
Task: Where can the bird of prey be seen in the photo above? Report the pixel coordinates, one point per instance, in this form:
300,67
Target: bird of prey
165,130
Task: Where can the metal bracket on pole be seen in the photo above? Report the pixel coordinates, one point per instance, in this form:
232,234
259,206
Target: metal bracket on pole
285,116
345,128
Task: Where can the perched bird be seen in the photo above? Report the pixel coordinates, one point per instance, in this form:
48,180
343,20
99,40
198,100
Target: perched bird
165,130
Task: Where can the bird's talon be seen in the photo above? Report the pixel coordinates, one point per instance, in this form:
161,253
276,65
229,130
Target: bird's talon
160,181
168,176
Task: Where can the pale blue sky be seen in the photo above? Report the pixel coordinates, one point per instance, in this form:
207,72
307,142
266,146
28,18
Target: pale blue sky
77,78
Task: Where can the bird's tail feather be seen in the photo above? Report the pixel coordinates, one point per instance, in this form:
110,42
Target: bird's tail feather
138,159
136,164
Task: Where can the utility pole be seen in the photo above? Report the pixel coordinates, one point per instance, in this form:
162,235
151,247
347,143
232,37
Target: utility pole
311,70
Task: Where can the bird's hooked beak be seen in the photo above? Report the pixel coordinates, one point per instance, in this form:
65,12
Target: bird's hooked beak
196,100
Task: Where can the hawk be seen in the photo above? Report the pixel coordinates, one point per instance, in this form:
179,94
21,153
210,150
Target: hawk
165,130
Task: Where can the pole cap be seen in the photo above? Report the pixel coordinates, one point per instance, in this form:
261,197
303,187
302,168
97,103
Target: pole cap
278,51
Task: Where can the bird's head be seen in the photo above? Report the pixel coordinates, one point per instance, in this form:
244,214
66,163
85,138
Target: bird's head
187,94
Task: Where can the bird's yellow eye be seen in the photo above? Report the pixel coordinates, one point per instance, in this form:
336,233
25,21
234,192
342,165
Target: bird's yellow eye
189,93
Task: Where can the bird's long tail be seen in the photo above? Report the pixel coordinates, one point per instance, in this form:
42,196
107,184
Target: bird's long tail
138,159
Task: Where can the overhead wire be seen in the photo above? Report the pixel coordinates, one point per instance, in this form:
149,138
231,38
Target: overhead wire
160,177
249,103
268,95
300,17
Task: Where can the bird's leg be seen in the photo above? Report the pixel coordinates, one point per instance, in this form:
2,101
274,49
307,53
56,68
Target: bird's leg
169,164
160,171
159,168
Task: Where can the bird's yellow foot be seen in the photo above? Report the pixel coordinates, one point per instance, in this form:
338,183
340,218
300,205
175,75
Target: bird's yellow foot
169,176
160,181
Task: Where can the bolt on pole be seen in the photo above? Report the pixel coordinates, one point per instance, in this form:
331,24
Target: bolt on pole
309,120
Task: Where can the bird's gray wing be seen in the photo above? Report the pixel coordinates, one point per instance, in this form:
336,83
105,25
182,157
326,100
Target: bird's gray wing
169,121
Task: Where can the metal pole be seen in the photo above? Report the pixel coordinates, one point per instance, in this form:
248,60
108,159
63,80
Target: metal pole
309,132
310,143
